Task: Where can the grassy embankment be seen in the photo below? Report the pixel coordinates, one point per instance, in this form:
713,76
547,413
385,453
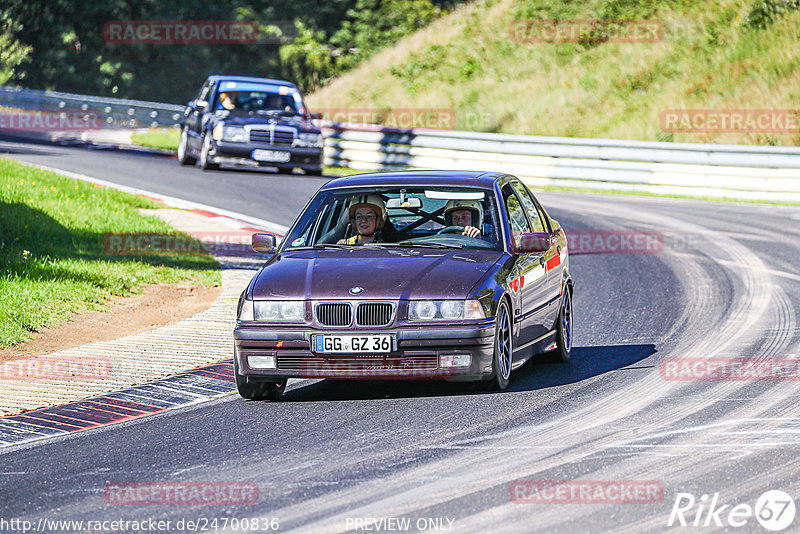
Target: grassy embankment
52,259
711,57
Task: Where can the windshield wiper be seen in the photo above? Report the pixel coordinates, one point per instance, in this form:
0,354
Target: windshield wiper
320,246
427,244
276,112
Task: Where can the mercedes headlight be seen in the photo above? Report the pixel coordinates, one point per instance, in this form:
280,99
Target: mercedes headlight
231,134
444,310
309,140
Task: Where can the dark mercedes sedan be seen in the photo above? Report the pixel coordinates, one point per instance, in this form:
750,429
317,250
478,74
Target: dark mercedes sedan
250,122
450,275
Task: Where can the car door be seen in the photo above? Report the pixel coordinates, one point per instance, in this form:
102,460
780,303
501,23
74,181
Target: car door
194,115
552,258
529,276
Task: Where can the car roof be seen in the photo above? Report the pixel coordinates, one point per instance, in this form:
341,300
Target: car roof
416,178
250,79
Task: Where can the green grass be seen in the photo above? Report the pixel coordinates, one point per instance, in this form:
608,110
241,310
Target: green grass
160,138
52,261
711,57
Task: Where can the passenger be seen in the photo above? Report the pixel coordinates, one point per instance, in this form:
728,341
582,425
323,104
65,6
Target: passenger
466,213
227,101
367,217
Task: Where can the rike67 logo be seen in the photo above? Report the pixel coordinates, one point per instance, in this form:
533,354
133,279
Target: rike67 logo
774,510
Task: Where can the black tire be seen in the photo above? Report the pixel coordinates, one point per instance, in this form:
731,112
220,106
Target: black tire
205,164
183,150
257,390
564,328
315,172
503,348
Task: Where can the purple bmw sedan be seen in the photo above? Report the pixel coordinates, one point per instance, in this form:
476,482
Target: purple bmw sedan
447,275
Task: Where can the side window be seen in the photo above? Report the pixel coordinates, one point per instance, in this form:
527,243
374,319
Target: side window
530,207
516,214
205,92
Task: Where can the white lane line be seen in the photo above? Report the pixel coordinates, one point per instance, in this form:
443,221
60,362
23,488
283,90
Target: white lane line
169,201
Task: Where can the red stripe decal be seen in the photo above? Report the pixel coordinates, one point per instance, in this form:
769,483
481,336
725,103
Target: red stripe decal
553,262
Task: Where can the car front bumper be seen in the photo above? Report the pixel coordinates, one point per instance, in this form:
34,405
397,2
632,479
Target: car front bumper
416,355
240,154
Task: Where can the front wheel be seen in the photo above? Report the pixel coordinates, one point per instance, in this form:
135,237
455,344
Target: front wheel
183,150
205,155
503,350
257,391
564,327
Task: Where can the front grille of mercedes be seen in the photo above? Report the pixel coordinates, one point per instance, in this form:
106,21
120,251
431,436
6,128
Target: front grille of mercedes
278,136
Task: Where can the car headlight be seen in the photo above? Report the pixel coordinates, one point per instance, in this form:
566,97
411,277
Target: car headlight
444,310
279,310
232,134
312,140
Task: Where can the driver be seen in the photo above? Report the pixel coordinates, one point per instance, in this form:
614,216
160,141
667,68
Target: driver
466,213
367,216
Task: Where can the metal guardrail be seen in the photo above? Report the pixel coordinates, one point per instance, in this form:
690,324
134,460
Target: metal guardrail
693,169
703,170
110,112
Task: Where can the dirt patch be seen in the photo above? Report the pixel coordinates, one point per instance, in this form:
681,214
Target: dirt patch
159,305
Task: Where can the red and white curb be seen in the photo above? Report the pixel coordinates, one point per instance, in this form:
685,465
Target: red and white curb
183,389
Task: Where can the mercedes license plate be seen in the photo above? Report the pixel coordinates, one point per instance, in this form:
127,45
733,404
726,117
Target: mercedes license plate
279,156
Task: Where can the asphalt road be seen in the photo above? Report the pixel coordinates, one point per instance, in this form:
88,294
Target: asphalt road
332,455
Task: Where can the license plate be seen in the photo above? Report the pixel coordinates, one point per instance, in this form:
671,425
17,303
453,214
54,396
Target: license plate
260,154
365,343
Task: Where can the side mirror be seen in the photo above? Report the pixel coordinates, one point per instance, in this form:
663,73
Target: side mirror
265,243
202,105
534,242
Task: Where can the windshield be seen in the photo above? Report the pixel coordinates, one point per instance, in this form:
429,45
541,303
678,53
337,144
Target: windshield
257,102
398,216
